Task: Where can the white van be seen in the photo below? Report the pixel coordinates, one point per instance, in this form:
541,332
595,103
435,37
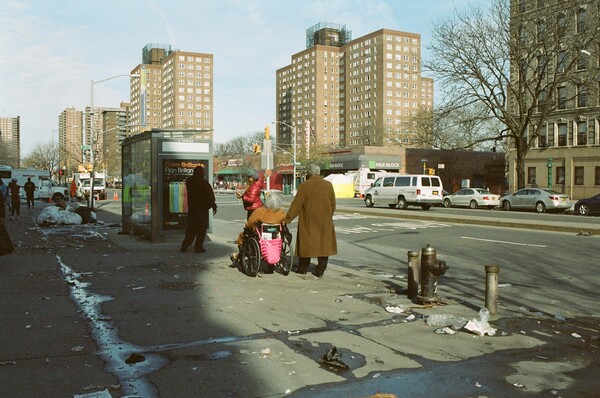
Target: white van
405,190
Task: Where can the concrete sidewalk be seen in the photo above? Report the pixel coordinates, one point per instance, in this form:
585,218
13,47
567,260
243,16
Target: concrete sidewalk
86,309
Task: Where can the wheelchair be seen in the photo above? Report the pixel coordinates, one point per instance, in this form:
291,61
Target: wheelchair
266,247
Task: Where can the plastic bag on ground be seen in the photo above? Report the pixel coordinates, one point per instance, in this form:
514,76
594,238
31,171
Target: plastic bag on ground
481,326
443,320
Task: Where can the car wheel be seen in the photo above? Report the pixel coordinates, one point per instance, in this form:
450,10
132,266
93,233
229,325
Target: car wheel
506,205
447,203
368,201
402,203
473,204
583,210
540,207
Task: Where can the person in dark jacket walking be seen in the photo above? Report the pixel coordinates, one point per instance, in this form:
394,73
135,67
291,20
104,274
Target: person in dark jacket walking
200,198
29,188
3,198
251,196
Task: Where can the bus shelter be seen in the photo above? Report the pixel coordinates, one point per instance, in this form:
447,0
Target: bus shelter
155,165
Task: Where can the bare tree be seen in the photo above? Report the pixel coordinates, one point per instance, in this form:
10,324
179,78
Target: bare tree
43,157
239,145
518,67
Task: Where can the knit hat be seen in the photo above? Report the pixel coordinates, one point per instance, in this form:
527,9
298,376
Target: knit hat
252,174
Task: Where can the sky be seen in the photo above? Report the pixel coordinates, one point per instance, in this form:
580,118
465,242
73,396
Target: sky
50,50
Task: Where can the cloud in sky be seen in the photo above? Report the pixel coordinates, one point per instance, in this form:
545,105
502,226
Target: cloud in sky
51,50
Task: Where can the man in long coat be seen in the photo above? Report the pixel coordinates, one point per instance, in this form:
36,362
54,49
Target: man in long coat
314,206
200,198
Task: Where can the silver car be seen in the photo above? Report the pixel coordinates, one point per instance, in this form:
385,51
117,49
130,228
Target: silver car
538,199
473,198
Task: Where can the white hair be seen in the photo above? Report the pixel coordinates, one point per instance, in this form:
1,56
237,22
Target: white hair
273,200
313,169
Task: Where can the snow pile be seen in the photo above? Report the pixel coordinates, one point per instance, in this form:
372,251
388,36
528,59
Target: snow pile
55,215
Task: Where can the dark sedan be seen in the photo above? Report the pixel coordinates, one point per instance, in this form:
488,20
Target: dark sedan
588,206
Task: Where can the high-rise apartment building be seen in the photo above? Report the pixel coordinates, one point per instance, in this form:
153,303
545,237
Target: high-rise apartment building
10,141
115,129
340,92
174,90
70,139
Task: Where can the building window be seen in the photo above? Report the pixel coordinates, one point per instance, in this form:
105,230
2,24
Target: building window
560,175
541,103
581,96
578,177
582,60
531,175
561,24
562,97
597,175
561,61
562,134
542,136
581,16
582,133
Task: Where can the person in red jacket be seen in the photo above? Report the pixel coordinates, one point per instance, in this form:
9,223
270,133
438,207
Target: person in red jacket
251,196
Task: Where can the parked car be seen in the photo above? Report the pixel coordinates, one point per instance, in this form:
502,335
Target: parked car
538,199
588,206
473,198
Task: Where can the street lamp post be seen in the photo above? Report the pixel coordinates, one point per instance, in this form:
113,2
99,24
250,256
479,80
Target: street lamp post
91,143
294,146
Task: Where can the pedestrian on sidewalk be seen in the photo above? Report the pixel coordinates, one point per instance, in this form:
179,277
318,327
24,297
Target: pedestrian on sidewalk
314,205
3,199
200,198
251,196
15,199
73,190
29,188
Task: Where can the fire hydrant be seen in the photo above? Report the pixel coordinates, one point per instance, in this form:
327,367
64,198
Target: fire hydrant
431,270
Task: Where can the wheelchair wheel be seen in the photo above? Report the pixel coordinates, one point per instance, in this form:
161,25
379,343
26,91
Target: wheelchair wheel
250,257
285,261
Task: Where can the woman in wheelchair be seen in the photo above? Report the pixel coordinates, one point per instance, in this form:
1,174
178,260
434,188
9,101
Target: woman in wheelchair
271,212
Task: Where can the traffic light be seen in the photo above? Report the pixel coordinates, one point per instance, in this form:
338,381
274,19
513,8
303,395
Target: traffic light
431,171
256,148
267,133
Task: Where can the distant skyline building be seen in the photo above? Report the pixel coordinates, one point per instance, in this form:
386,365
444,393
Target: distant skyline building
344,93
115,130
70,139
10,141
174,90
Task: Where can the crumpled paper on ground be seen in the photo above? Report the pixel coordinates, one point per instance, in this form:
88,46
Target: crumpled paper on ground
481,326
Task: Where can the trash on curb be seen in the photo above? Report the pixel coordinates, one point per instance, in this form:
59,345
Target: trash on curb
446,330
333,359
265,352
396,309
97,394
443,320
481,326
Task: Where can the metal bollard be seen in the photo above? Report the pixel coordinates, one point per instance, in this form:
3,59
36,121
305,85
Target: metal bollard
414,274
431,270
491,288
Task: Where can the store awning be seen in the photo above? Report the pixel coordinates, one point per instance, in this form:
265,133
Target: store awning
229,171
285,169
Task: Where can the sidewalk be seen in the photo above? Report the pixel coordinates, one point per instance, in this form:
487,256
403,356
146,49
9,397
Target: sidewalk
86,309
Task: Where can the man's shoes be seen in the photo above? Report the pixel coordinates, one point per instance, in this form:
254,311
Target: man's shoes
183,249
200,250
300,271
318,274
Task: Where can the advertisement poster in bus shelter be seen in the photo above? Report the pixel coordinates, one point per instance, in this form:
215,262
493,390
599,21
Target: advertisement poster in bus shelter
174,174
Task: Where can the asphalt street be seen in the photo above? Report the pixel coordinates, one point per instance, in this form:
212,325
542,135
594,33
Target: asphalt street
88,311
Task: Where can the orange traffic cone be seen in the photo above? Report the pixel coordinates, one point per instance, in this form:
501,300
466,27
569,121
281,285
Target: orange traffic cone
50,199
147,212
116,196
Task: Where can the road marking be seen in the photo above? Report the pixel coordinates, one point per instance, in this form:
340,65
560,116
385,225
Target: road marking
503,241
387,227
